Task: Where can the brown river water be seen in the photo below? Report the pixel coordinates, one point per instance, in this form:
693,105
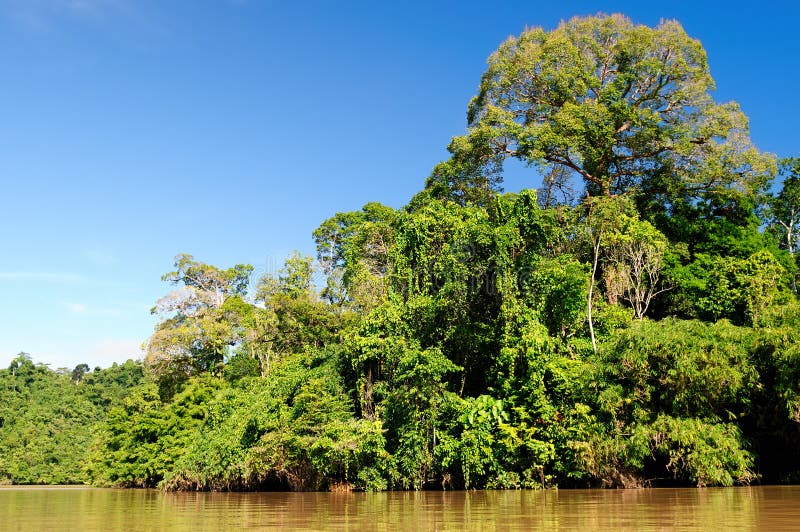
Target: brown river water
65,508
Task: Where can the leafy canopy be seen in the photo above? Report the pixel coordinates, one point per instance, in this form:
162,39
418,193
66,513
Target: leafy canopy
620,105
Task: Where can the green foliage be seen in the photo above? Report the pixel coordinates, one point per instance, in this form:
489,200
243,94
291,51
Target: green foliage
619,105
141,440
202,322
557,286
738,289
644,335
353,249
293,430
47,418
691,451
783,213
209,279
682,368
669,396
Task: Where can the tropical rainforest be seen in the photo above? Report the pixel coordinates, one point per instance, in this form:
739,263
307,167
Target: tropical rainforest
633,321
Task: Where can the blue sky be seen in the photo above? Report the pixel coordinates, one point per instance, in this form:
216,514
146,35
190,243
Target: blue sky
133,130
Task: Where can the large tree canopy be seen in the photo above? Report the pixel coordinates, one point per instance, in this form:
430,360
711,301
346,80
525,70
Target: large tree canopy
621,105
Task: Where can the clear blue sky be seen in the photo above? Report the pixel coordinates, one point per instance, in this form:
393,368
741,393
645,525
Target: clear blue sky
132,130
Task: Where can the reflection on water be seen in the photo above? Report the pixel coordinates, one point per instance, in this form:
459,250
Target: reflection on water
768,508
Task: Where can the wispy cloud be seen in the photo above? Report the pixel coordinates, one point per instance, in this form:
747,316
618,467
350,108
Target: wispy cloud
44,277
110,350
76,308
88,6
91,311
99,256
101,352
41,16
57,278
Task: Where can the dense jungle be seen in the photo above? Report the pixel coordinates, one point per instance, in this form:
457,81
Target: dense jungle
632,321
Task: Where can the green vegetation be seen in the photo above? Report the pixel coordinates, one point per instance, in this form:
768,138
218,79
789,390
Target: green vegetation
633,322
47,418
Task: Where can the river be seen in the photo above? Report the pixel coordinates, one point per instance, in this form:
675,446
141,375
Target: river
67,508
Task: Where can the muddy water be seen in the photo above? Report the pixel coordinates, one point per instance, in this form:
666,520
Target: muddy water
762,508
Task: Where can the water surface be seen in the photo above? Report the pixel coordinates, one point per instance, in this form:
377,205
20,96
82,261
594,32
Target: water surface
764,508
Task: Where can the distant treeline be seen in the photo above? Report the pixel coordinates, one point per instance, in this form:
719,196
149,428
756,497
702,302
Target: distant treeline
48,418
632,322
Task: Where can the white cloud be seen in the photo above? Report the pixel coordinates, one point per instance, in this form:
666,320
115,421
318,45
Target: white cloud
99,256
78,7
106,351
92,311
90,6
58,278
75,307
43,277
68,353
40,15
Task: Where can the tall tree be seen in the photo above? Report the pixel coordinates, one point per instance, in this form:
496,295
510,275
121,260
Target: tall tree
290,316
635,254
202,320
617,104
784,208
209,282
353,249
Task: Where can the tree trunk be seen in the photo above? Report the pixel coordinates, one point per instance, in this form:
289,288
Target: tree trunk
367,401
596,248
